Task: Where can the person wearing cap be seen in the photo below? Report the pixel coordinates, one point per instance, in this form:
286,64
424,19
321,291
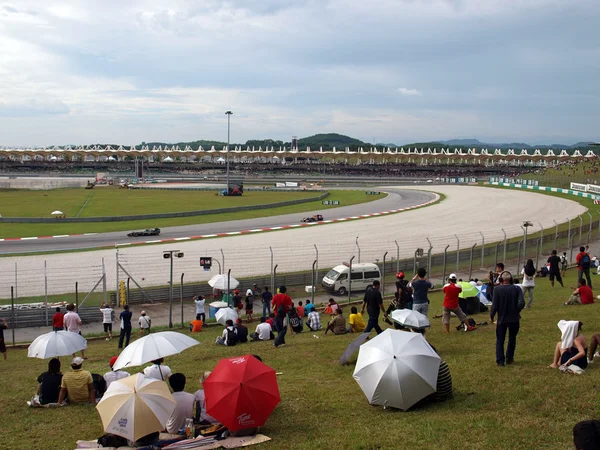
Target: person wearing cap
77,385
402,293
114,375
450,305
199,301
144,322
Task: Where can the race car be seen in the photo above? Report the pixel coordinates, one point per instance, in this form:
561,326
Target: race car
146,232
315,218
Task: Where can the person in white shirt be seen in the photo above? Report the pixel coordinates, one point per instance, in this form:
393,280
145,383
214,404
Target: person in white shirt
263,331
200,314
114,375
73,323
201,417
184,407
144,322
229,336
158,371
528,283
107,319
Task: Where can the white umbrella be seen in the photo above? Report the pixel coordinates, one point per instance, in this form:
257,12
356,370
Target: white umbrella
135,406
397,369
56,213
56,343
225,314
154,346
220,282
410,318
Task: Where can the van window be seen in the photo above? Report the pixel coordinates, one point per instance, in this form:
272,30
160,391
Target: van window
343,276
373,274
332,274
357,275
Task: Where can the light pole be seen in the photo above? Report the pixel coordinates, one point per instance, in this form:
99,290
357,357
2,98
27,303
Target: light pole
228,113
168,254
526,225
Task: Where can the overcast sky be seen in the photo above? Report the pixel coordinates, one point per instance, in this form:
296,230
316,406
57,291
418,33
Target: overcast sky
394,71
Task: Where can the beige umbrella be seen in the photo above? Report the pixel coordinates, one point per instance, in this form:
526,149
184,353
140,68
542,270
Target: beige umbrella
135,406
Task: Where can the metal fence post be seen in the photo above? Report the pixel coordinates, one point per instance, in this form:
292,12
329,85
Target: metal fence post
569,235
12,312
541,243
518,256
397,257
358,247
317,265
444,267
181,298
524,242
383,276
537,253
504,257
482,249
471,261
350,279
229,287
497,245
590,230
571,245
274,277
77,296
555,233
457,252
429,256
117,272
580,227
104,282
46,291
223,259
314,282
272,273
127,293
16,282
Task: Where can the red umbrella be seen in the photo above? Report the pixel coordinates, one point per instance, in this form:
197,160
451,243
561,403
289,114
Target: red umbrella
241,392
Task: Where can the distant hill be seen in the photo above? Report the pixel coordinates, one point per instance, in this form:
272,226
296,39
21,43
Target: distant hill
514,145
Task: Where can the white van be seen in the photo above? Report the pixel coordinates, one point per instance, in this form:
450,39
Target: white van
363,275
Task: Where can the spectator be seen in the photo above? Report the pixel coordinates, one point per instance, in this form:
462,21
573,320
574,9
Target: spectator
528,283
420,287
507,303
114,375
572,349
237,300
249,306
282,299
308,308
295,321
184,404
199,302
583,295
280,321
49,384
450,304
357,323
57,320
332,307
263,331
202,417
300,309
266,298
125,334
314,320
402,295
145,322
583,265
77,385
564,264
338,324
553,270
107,319
229,337
241,332
374,304
586,435
3,326
72,323
195,326
157,370
271,320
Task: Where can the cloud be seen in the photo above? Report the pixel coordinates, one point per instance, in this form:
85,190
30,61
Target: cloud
405,91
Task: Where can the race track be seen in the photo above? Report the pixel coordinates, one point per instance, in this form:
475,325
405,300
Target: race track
466,212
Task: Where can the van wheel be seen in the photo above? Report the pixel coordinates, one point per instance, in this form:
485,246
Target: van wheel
342,291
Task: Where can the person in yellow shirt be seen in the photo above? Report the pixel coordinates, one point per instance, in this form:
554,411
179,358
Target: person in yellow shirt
77,385
357,324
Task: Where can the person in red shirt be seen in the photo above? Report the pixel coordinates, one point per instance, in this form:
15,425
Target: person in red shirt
57,320
282,299
583,295
300,310
451,293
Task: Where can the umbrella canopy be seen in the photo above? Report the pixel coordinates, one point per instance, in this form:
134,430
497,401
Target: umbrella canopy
468,290
353,347
220,282
135,406
225,314
482,295
154,346
57,213
397,369
410,318
241,392
56,343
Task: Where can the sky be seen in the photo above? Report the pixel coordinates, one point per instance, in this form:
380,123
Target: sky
393,71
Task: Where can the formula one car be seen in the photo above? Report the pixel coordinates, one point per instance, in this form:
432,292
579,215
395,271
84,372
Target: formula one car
315,218
146,232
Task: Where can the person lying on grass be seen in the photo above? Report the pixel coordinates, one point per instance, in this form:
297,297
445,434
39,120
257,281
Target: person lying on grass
572,349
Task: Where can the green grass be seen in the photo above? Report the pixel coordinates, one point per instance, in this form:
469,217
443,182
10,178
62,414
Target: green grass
346,197
563,176
523,406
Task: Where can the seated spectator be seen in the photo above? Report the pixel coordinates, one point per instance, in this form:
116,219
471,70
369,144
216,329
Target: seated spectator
201,417
114,375
48,385
332,307
184,404
586,435
157,370
308,308
196,326
357,323
338,324
295,321
300,309
263,331
77,386
241,331
229,337
572,349
583,295
271,319
444,390
314,321
594,344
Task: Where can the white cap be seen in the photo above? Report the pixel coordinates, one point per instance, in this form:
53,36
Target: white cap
77,361
452,276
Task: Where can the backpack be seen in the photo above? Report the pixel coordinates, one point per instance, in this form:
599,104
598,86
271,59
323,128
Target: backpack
231,338
563,259
585,261
295,322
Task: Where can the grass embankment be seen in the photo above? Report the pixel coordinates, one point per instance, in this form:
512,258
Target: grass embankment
115,202
563,176
522,406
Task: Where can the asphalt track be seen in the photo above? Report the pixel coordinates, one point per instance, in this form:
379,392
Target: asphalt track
397,199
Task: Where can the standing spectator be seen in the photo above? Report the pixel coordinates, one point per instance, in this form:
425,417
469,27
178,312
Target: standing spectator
583,265
114,375
144,322
282,299
241,331
237,300
508,302
107,318
402,294
77,385
314,320
3,326
125,334
528,283
184,404
300,309
420,287
374,304
73,323
199,301
357,323
583,295
450,304
249,306
157,370
554,271
280,320
564,264
266,298
263,331
57,320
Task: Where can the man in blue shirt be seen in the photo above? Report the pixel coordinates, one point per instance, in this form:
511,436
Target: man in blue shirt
125,317
420,287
